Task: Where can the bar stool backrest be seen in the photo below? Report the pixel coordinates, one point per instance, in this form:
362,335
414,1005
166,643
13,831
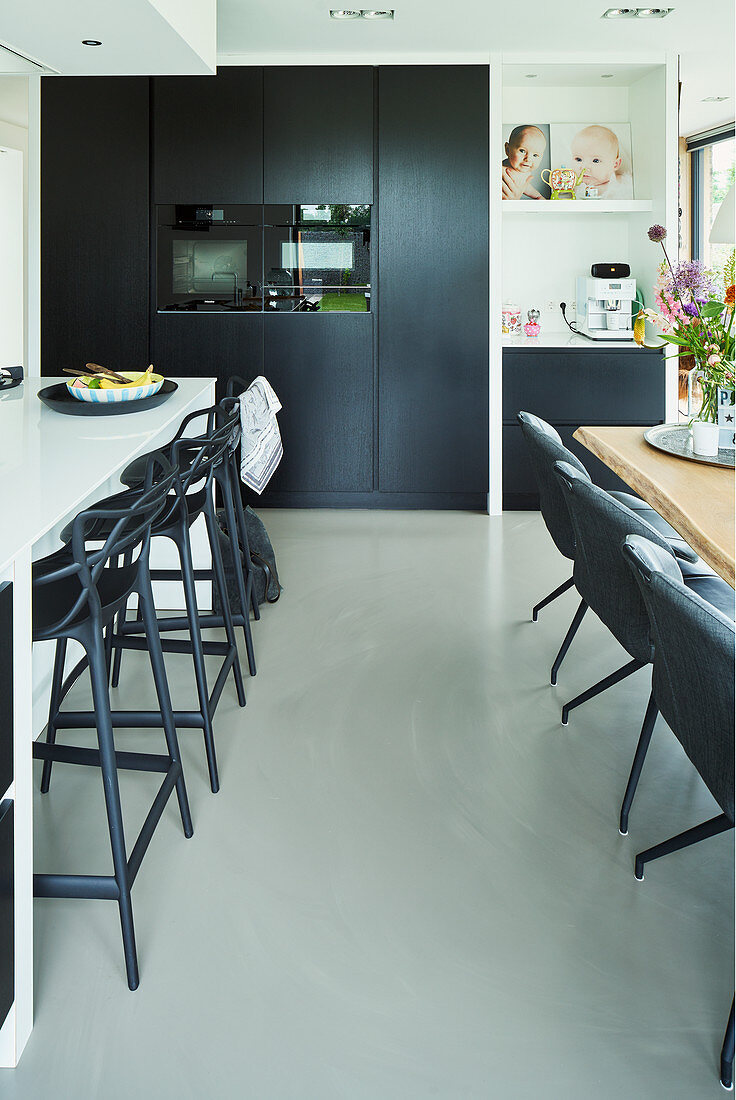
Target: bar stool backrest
122,523
546,448
601,523
693,675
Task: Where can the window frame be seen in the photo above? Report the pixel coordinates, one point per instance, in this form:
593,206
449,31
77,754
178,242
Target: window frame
696,146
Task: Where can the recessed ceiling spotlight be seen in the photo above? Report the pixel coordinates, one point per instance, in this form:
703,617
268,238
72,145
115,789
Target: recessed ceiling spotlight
606,76
620,13
344,13
91,42
370,14
714,98
653,13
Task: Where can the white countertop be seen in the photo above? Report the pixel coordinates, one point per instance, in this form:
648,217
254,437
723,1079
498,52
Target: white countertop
50,463
567,340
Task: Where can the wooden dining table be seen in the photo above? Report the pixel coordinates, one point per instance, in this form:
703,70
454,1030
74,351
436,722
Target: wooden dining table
695,498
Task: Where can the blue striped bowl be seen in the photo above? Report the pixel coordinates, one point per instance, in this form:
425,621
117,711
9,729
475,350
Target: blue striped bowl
115,396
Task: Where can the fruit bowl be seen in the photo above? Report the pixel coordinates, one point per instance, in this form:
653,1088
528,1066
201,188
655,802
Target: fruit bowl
112,394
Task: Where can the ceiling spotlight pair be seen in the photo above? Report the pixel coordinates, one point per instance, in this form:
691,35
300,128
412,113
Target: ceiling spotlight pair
637,13
369,13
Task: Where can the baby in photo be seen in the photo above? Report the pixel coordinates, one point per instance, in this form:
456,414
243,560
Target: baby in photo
597,152
524,151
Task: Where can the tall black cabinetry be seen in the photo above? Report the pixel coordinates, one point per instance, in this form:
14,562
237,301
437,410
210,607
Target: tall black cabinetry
94,222
433,281
318,134
208,137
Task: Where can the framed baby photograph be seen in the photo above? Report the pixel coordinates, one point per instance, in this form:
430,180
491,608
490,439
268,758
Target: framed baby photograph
600,152
525,156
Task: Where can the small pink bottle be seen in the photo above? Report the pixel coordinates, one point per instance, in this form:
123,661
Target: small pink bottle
532,327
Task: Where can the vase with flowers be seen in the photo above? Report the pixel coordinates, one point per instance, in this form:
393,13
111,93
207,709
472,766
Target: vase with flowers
695,313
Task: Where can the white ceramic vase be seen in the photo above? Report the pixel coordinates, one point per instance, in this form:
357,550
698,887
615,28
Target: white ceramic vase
705,439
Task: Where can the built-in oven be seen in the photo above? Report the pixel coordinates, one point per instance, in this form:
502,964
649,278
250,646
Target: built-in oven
285,258
209,257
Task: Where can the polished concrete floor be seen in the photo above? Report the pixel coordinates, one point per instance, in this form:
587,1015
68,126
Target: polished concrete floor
411,884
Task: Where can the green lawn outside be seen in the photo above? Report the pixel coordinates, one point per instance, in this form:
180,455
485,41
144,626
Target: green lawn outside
343,303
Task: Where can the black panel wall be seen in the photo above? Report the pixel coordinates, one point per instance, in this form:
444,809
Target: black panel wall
318,134
433,285
191,345
321,367
94,222
208,137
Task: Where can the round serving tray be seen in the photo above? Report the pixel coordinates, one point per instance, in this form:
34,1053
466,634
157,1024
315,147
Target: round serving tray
676,439
60,400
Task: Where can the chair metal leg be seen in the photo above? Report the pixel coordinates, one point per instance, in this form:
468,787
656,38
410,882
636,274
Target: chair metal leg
190,599
710,828
227,498
727,1051
121,616
219,576
615,678
98,675
552,596
650,717
572,631
155,653
56,684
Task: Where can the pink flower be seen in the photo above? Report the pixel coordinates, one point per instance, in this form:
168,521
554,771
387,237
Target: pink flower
713,360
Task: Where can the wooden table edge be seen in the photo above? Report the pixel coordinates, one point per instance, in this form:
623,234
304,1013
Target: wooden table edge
723,563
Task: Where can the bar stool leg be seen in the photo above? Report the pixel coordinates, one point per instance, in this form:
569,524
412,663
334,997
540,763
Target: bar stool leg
243,534
227,497
54,704
114,627
155,653
94,646
190,599
219,574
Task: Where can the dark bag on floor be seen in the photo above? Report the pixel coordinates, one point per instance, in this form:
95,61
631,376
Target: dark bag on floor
266,582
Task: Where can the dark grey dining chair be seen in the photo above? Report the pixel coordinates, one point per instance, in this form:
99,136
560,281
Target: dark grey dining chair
545,448
692,682
601,523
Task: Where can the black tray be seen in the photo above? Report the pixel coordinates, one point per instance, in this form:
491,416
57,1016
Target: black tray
60,400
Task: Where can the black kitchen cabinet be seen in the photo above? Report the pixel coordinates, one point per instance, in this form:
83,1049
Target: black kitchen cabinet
7,910
321,367
318,134
94,222
208,137
203,345
433,280
569,387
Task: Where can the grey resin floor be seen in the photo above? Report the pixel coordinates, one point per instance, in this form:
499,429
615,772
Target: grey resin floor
411,884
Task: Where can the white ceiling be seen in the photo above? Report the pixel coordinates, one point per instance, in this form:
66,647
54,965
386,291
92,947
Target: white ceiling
159,36
300,31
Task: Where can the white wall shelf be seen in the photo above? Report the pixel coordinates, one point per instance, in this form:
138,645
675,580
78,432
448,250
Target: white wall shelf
543,207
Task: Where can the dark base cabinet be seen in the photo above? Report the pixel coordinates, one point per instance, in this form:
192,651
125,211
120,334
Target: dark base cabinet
217,345
570,387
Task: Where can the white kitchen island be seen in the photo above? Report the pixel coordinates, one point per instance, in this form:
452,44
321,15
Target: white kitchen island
51,466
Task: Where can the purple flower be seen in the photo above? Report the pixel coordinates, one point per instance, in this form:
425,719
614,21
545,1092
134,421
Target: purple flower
691,308
689,283
657,233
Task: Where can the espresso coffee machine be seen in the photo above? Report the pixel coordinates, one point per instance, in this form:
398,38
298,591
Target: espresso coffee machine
604,307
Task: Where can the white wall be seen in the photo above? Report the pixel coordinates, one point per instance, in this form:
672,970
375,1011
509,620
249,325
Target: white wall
13,226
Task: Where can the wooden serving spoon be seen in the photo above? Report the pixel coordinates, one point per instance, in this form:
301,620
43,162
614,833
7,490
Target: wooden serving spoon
95,371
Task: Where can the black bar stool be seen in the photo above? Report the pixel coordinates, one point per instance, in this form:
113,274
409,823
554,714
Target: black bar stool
198,461
76,593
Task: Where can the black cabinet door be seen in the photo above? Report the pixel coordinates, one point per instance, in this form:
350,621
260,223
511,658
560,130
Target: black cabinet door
209,345
94,216
596,386
208,137
320,365
433,278
318,134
